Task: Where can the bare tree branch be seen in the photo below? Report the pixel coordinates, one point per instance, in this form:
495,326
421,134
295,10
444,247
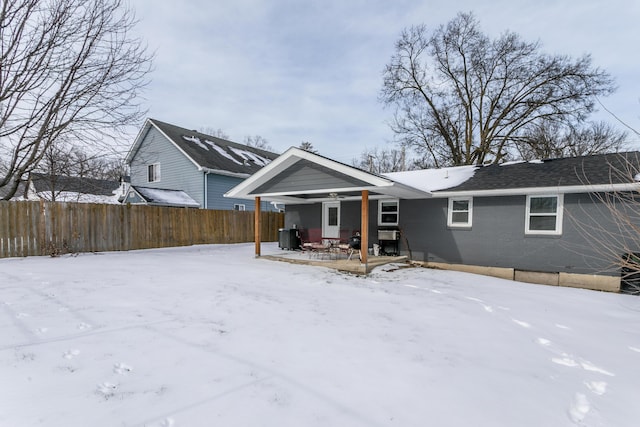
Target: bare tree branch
464,98
70,73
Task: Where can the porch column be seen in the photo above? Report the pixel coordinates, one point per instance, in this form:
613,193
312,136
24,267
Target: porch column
364,227
256,226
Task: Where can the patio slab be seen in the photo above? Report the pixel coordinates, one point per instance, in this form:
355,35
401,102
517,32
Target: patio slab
340,263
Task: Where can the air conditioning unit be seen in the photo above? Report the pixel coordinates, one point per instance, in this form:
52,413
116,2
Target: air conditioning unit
388,234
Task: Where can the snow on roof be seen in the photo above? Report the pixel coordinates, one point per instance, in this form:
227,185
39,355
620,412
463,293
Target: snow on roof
433,179
248,155
195,140
222,151
72,196
166,197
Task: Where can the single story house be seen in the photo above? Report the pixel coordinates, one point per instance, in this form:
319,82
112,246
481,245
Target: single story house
194,169
61,188
531,221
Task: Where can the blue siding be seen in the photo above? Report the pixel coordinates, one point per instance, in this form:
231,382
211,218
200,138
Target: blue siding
177,172
217,185
133,197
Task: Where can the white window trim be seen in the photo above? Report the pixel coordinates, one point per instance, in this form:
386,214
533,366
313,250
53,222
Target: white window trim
559,212
157,167
450,222
397,201
239,207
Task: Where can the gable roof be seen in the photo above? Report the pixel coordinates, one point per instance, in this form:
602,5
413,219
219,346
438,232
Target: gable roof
163,197
300,176
601,172
207,152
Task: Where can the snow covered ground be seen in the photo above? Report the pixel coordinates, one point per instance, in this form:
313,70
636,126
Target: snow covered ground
210,336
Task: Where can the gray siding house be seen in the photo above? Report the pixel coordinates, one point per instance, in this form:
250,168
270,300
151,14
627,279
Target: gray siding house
193,169
541,221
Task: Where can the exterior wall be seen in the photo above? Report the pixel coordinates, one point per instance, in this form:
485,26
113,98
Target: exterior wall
176,171
308,218
133,197
306,175
217,185
497,238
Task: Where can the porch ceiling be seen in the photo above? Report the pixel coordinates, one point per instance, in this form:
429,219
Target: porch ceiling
299,176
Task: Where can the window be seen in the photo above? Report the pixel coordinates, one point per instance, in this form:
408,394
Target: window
460,213
238,207
333,216
388,211
153,172
544,215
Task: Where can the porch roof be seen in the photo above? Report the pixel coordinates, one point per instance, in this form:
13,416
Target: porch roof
299,176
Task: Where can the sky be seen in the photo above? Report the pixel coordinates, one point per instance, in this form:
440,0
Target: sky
152,338
293,71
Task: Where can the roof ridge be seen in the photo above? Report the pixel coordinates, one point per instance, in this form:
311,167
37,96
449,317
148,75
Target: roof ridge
215,138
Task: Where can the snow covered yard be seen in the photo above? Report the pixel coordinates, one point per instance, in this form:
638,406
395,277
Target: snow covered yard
210,336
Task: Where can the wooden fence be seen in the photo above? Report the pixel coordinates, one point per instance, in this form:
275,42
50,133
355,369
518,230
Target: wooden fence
51,228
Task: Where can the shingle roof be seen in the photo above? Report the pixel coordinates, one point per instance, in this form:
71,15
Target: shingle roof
164,197
43,182
615,168
215,153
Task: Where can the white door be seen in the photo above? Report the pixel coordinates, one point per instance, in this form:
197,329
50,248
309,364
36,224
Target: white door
331,220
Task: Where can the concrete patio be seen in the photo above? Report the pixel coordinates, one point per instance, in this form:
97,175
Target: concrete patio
336,261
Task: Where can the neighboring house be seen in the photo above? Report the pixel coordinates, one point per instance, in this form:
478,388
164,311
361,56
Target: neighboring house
521,220
41,186
159,197
193,169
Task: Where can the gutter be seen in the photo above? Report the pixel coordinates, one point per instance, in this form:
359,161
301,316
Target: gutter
206,190
598,188
223,172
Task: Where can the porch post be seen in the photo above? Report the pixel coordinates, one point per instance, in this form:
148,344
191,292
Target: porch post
256,226
364,227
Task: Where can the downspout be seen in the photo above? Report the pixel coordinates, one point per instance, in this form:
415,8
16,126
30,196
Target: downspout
206,190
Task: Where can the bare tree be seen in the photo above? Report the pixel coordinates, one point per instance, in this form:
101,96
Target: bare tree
258,142
70,71
218,133
64,167
613,232
378,160
548,139
306,145
463,98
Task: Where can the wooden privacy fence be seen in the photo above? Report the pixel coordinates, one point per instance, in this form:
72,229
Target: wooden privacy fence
51,228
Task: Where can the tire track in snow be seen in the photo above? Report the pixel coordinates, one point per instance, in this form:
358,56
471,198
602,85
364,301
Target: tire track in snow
271,373
38,341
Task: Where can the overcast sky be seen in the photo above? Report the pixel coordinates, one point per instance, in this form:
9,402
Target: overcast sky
293,70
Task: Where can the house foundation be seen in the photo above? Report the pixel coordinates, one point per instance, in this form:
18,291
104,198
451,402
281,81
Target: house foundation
594,282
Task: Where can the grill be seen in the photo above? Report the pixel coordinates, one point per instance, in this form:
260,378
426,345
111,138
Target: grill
388,234
388,241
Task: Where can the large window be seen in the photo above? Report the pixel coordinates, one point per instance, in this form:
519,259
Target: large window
153,172
460,213
544,215
388,212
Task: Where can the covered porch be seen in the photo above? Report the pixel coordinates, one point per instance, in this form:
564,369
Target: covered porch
326,200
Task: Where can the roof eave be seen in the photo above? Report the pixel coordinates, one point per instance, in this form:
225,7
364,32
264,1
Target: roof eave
290,157
242,175
597,188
